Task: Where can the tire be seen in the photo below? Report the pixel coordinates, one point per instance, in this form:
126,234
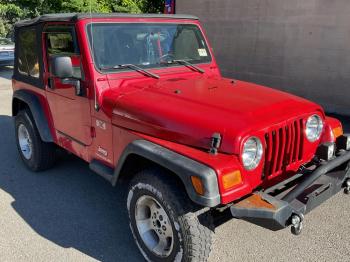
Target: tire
192,228
36,154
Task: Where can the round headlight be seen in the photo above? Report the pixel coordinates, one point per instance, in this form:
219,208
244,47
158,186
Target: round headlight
252,153
314,127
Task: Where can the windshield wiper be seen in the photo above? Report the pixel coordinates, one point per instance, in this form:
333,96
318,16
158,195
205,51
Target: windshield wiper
186,63
134,67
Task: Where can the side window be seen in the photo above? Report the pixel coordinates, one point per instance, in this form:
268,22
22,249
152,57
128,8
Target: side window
28,61
61,42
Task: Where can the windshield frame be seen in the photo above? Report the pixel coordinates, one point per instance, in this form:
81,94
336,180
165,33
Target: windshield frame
170,66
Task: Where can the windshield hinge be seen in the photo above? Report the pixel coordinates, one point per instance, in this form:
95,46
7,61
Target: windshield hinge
215,143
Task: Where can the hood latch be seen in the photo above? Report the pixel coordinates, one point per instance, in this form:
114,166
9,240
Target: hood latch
215,143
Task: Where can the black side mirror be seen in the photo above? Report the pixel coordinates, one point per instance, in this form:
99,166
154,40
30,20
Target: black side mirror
62,67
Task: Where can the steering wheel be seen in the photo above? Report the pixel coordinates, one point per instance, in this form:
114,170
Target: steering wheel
169,55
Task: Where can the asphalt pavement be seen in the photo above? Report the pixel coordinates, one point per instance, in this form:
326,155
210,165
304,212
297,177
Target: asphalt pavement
70,214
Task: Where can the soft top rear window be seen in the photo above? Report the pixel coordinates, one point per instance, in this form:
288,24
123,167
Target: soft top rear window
28,60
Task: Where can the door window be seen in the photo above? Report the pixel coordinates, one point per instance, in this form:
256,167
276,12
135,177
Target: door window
61,42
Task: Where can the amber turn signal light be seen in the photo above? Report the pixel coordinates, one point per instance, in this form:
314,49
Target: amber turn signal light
337,132
232,179
197,185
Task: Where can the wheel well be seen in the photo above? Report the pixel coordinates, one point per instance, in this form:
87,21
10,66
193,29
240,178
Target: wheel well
134,163
18,105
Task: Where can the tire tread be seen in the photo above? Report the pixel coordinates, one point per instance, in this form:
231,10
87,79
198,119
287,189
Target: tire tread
198,231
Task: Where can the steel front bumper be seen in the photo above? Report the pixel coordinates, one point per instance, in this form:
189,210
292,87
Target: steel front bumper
286,203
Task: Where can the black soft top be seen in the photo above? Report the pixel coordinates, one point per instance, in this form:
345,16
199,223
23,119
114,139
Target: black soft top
73,17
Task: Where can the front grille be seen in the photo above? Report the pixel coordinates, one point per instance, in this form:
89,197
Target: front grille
284,146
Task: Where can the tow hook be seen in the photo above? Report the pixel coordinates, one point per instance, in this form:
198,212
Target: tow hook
347,187
297,224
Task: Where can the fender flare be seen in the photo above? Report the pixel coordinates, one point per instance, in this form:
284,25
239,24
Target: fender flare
180,165
37,111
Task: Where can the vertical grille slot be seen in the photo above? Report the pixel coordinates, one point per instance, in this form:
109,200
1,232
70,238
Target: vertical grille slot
276,141
282,152
268,153
292,142
301,147
284,146
288,144
297,141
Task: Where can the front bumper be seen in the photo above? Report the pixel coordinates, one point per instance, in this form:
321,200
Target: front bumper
286,203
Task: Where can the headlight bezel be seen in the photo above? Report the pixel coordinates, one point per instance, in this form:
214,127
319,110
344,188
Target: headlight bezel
253,163
314,133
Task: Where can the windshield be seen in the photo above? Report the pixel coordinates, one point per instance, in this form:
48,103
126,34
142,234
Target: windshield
146,45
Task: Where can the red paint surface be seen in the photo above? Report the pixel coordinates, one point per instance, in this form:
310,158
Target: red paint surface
133,106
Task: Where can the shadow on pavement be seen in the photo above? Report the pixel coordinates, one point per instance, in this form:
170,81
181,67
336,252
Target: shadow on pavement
68,205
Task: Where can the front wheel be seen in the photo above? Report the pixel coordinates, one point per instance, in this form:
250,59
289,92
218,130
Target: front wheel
164,223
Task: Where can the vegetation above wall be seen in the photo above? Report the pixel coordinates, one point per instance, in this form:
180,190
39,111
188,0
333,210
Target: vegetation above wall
12,11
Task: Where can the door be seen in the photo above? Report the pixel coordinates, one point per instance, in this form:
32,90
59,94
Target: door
70,112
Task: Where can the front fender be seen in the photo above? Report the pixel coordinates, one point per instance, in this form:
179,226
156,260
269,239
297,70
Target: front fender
180,165
332,130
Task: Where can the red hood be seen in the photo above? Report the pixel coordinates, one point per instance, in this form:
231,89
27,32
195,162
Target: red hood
189,111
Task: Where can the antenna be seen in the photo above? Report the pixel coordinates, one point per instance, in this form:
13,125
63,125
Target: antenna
96,105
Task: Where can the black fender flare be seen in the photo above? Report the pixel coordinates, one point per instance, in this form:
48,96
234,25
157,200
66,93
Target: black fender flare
180,165
37,111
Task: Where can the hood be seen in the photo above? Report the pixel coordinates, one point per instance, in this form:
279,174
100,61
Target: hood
189,111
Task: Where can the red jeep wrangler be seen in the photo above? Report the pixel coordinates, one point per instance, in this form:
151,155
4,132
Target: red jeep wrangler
141,99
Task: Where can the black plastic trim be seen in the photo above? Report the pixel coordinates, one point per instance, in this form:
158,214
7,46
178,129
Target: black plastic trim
101,169
37,112
182,166
73,17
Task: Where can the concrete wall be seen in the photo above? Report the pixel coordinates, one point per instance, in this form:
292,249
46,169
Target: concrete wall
300,46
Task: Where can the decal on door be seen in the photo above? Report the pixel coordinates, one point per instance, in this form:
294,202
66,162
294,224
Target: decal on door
101,124
101,151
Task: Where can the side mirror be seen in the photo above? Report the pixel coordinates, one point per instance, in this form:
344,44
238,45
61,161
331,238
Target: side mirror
62,67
